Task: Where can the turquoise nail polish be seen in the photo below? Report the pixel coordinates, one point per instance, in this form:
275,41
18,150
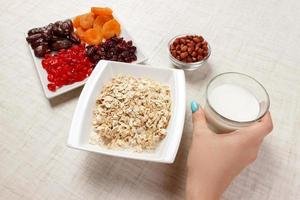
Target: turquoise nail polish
194,106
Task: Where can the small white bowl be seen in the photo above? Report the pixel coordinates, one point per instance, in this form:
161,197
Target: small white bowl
81,126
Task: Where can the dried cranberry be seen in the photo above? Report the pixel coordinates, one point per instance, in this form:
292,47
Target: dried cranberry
129,43
116,49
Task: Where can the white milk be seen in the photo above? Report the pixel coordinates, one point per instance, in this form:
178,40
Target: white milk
232,102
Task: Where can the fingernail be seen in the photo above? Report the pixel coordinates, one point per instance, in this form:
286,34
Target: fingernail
194,106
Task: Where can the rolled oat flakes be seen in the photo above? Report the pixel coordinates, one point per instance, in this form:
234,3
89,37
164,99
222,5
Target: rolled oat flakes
131,113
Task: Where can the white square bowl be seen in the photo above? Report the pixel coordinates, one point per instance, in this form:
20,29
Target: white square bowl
81,126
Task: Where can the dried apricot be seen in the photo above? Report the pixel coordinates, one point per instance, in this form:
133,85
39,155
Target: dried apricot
87,20
76,21
111,28
101,11
100,20
80,33
92,36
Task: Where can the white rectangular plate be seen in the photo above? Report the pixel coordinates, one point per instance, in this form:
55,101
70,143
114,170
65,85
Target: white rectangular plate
66,88
81,126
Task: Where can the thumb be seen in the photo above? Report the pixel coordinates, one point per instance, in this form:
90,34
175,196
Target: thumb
199,120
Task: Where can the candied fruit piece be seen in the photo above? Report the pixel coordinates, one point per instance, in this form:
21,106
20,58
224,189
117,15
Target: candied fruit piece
111,28
87,20
101,11
92,36
76,21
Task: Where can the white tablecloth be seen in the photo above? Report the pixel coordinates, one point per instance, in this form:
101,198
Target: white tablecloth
260,38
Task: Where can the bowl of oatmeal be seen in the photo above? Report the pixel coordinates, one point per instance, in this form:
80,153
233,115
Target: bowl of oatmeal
130,111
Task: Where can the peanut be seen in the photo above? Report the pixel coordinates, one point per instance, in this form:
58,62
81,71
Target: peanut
190,48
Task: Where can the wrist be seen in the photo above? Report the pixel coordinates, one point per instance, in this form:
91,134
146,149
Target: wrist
195,190
201,195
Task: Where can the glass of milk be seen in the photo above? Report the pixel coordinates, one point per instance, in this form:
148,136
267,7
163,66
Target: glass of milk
234,100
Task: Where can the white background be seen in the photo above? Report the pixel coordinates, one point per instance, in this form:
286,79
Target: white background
260,38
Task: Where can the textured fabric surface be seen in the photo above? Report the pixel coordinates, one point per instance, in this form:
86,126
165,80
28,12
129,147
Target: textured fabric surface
260,38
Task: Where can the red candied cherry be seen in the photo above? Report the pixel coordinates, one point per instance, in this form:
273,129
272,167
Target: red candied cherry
89,71
50,77
52,87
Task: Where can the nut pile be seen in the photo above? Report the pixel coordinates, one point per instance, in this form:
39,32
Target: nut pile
115,49
52,37
190,48
131,113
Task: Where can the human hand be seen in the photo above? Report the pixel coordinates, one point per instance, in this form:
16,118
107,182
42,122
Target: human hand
215,159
